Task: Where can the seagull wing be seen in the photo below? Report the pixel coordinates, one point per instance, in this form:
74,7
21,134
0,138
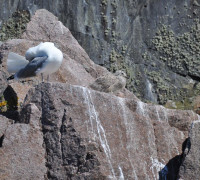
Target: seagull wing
31,68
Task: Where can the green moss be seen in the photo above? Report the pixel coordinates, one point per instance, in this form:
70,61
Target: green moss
14,26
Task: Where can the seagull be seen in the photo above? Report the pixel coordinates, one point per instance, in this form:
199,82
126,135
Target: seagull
43,59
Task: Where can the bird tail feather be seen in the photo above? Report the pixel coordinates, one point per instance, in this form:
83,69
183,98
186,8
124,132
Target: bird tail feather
15,62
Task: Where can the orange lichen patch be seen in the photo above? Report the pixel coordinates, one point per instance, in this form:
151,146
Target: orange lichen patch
3,103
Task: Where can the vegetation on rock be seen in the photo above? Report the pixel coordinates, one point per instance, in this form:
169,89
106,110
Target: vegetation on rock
14,26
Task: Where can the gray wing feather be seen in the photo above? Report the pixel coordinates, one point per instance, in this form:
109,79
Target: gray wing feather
30,69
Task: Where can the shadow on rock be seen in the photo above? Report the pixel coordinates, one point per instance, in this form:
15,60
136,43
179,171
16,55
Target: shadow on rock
9,104
171,170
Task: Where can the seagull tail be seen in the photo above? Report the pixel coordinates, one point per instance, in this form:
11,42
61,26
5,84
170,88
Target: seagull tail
15,62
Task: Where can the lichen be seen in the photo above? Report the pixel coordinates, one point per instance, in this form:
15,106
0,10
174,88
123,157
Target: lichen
3,104
180,53
14,26
104,2
119,62
162,89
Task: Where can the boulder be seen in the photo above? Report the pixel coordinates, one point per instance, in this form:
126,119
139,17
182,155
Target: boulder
190,167
22,155
109,83
95,135
4,123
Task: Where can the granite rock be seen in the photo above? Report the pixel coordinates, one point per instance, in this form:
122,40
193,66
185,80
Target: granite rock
84,131
190,168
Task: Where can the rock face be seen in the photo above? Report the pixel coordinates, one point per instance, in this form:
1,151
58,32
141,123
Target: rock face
22,155
110,83
67,131
3,82
100,136
190,167
154,42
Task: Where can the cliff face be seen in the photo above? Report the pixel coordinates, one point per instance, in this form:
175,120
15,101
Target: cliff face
155,42
67,131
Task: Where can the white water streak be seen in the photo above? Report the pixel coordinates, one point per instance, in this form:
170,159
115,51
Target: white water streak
129,134
156,167
140,107
101,132
61,27
91,113
165,113
149,89
121,176
157,113
159,110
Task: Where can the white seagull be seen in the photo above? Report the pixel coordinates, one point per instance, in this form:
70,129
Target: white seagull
43,59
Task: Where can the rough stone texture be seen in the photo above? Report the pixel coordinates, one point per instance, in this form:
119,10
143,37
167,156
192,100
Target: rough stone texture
21,89
109,83
4,123
84,131
3,80
22,155
190,168
155,42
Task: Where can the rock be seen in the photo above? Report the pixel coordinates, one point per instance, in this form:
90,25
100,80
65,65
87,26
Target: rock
190,166
110,83
196,104
4,123
84,131
170,104
21,89
22,155
3,81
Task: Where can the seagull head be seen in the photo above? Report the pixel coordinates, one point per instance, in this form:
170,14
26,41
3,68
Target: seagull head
30,53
